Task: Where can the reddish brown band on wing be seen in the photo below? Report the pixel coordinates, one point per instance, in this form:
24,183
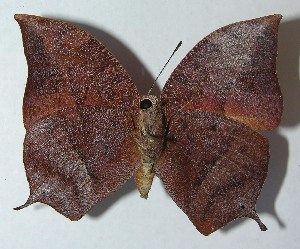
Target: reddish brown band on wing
67,67
232,72
79,107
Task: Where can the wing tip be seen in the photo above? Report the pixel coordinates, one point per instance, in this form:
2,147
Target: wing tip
20,17
272,17
30,201
277,16
19,207
207,230
22,206
255,217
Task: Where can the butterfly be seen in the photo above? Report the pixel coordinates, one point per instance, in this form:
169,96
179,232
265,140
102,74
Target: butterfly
88,130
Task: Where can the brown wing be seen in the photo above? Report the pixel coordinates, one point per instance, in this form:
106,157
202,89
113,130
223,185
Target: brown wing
67,67
232,72
79,107
213,168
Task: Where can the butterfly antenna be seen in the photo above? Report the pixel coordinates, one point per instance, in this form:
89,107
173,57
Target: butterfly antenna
177,47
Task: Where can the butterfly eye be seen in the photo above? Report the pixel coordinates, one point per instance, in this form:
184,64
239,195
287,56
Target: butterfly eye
145,104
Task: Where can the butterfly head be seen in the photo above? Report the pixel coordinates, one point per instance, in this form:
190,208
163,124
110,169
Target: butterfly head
148,101
150,120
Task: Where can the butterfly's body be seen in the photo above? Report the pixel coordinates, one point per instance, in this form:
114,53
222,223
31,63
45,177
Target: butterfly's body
150,141
88,131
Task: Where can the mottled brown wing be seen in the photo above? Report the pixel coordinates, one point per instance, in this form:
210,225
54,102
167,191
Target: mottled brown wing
232,72
79,107
67,67
213,168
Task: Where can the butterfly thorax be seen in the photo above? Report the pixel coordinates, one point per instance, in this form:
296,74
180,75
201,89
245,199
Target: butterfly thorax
149,137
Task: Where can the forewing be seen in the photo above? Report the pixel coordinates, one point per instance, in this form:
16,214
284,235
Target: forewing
79,110
67,67
231,72
213,168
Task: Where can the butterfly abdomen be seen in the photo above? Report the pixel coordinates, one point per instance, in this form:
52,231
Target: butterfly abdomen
149,137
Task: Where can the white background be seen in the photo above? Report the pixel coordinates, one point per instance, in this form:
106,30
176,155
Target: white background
142,34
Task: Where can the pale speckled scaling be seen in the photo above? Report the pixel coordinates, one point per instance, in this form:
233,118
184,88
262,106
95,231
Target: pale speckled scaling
88,130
